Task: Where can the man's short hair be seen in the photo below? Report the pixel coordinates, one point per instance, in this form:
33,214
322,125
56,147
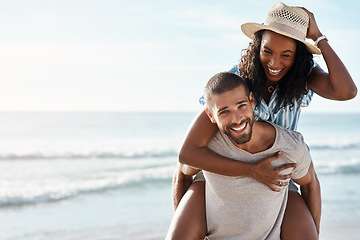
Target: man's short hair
221,83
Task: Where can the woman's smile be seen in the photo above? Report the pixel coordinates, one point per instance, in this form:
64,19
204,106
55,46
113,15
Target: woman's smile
274,72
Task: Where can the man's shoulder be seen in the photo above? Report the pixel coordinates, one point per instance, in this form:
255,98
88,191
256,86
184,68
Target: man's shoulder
222,145
218,139
292,136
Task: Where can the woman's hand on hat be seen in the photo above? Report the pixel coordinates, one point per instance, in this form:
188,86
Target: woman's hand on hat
313,30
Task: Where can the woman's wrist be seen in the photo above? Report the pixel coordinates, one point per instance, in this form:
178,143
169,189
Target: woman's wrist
315,36
317,41
246,169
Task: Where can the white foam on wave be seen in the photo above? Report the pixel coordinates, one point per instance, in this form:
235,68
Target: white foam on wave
39,190
338,166
131,148
334,143
88,149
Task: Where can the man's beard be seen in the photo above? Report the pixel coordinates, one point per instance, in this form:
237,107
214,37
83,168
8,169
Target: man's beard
240,139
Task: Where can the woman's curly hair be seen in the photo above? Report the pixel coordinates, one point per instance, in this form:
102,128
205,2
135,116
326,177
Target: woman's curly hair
292,85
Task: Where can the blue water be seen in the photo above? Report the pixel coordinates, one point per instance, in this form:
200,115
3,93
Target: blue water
108,175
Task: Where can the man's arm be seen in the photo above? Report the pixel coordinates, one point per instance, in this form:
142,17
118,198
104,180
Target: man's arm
181,181
310,191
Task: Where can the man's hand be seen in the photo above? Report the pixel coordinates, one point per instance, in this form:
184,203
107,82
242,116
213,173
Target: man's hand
264,172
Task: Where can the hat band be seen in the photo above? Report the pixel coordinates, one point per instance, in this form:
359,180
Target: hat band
287,29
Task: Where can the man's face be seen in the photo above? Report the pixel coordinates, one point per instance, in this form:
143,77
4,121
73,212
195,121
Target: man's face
232,111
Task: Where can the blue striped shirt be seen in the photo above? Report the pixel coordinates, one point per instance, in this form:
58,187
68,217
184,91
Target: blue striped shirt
285,117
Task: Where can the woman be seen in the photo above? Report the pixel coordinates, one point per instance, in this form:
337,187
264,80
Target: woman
281,74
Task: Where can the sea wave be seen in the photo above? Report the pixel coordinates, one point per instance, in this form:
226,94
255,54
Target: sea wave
45,186
60,189
334,145
89,149
338,166
89,154
132,152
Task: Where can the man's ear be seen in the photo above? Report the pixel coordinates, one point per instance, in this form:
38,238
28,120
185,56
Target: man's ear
252,101
210,115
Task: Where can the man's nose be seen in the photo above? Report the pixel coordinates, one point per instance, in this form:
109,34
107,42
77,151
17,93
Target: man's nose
236,118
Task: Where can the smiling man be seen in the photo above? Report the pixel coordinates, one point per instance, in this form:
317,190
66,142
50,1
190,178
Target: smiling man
241,207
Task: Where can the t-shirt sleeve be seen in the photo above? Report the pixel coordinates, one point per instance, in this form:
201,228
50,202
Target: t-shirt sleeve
303,164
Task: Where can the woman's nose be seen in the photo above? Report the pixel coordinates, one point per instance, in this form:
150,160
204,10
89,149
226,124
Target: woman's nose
274,62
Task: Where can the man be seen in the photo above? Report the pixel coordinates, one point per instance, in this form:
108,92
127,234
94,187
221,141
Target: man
241,207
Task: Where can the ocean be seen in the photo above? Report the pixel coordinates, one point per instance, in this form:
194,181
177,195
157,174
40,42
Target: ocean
69,175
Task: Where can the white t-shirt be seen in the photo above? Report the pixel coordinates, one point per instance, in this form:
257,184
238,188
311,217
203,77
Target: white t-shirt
243,208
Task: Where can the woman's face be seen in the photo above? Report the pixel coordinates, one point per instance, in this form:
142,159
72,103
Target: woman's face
277,55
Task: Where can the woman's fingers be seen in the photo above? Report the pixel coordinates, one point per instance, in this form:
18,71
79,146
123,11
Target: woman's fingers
286,166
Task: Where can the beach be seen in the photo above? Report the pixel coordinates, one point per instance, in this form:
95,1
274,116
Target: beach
68,175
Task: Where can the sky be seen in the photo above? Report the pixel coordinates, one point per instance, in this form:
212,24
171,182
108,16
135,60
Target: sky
140,55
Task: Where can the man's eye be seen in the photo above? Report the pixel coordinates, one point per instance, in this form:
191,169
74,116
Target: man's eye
223,112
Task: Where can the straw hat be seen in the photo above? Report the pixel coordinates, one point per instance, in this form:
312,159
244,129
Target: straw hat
291,22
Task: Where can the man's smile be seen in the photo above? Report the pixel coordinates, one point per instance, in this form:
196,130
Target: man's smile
239,127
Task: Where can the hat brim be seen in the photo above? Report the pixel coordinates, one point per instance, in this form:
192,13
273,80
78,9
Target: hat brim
249,29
